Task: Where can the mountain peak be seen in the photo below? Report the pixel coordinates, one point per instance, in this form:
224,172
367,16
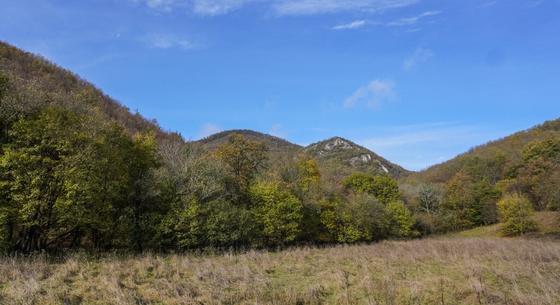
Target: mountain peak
272,142
340,150
337,143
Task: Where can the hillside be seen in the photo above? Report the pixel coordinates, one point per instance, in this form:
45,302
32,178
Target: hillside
509,149
347,156
34,82
336,155
274,144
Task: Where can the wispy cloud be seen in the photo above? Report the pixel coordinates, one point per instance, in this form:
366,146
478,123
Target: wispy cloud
218,7
373,94
208,129
279,7
350,26
315,7
420,55
165,5
402,22
168,41
412,20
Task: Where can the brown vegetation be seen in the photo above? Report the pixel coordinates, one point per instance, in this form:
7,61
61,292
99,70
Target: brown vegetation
444,271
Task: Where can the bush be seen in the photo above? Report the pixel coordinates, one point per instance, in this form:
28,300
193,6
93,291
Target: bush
401,221
277,212
359,219
515,213
384,188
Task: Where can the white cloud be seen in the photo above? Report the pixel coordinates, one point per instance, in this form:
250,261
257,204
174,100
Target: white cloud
217,7
350,26
165,5
420,55
279,7
168,41
315,7
209,129
412,20
373,94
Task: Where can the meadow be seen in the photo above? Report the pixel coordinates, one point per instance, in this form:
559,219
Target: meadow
431,271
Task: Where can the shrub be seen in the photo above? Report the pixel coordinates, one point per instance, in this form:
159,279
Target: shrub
359,219
401,221
277,212
384,188
515,213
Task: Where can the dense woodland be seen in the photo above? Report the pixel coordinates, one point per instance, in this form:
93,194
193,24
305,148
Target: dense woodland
79,171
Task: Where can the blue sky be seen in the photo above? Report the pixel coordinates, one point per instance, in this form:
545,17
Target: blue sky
417,81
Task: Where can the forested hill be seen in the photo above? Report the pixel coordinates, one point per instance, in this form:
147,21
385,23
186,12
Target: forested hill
510,176
35,83
274,144
337,156
507,153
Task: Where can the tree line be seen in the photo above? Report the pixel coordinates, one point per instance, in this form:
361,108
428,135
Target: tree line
68,181
72,179
491,189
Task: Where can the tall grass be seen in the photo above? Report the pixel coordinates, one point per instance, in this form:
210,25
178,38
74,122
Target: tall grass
440,272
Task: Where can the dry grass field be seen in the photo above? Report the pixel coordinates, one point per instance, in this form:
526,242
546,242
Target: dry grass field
433,271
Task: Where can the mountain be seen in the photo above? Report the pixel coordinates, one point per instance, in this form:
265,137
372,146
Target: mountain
336,155
274,144
508,149
347,156
35,83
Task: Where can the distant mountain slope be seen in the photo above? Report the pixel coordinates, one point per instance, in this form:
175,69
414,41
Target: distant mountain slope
36,83
351,156
337,155
274,144
510,148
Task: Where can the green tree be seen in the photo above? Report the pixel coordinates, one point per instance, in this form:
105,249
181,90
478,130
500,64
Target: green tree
70,181
515,215
278,213
227,225
183,228
5,113
243,159
361,218
142,159
541,173
34,166
468,203
384,188
309,175
400,220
